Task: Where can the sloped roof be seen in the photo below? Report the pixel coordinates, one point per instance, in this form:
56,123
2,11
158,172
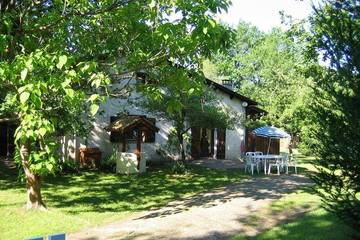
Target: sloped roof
255,110
231,92
127,123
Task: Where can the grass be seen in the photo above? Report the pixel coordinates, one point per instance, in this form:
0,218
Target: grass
298,216
91,198
305,220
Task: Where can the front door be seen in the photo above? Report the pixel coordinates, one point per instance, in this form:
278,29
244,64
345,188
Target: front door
195,142
221,136
3,139
7,145
205,142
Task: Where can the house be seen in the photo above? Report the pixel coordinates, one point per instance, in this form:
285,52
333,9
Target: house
213,143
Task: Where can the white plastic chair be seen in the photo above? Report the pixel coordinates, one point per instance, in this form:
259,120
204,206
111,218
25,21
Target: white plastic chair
287,162
275,163
251,163
259,160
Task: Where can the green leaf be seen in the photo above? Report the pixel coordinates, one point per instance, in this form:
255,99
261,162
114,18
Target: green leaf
69,92
49,167
42,131
23,74
93,109
72,73
24,96
205,30
36,100
93,97
152,4
212,22
191,91
66,83
62,61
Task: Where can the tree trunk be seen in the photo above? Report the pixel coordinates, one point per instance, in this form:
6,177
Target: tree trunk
33,182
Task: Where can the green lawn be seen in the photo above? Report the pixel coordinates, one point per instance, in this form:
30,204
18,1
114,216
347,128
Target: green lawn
90,198
305,219
81,200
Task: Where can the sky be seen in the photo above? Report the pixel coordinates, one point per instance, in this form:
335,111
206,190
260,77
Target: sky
265,13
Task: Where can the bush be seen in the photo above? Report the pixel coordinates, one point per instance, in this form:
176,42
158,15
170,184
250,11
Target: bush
69,166
178,167
336,113
109,163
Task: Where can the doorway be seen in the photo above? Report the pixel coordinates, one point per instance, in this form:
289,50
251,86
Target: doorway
202,142
7,145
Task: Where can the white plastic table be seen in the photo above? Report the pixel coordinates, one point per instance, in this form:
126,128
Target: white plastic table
264,158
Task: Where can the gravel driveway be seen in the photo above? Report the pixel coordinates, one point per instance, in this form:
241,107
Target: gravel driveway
218,214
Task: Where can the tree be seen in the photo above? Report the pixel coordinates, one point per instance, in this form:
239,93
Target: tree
187,105
57,58
335,27
270,68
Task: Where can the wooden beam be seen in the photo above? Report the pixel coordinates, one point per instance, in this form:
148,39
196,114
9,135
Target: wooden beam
138,146
3,120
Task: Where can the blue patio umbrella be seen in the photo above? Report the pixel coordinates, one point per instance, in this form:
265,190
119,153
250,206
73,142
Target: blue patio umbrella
271,132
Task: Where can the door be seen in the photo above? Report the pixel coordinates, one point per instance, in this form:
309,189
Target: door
3,139
221,136
205,142
195,143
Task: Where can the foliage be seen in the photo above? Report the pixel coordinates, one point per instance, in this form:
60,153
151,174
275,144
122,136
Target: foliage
109,163
69,166
56,58
335,124
179,167
270,68
172,146
210,70
48,106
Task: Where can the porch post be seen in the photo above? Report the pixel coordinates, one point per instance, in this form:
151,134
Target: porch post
215,143
138,146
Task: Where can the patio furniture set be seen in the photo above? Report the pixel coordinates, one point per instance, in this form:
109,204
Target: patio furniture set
268,161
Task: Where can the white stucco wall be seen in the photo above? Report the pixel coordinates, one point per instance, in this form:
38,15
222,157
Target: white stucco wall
236,137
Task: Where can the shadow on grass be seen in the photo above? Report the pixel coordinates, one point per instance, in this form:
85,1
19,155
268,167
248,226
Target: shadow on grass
315,225
258,188
9,176
103,192
106,192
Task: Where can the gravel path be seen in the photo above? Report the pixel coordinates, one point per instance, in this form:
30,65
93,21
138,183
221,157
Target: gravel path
219,214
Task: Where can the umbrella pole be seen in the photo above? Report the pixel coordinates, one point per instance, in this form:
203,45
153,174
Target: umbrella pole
269,146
